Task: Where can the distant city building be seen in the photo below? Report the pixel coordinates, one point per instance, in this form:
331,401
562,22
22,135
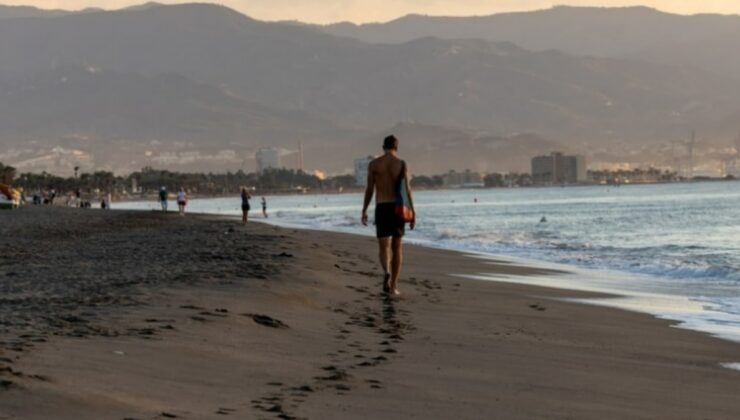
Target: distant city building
632,176
467,179
559,169
135,186
542,169
267,158
361,166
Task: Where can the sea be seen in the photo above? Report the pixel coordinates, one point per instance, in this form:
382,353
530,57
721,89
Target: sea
672,250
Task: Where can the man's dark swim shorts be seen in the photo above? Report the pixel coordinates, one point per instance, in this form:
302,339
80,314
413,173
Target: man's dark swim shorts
387,224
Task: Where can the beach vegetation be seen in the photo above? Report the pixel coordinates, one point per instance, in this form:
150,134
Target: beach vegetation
7,174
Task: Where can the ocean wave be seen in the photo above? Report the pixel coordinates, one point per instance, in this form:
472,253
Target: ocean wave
668,261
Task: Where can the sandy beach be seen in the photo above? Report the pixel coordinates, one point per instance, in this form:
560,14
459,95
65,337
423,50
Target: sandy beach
126,315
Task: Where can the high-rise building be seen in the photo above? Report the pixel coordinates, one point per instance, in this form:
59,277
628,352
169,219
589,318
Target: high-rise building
542,169
574,169
267,158
559,169
361,166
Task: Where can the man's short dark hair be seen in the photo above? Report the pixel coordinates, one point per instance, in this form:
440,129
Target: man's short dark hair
390,143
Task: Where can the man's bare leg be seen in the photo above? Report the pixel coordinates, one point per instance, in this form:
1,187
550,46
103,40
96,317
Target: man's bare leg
385,248
396,262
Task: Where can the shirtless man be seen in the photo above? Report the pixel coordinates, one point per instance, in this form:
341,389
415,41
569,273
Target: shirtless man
382,178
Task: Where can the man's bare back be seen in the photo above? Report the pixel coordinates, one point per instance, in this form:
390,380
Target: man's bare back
385,172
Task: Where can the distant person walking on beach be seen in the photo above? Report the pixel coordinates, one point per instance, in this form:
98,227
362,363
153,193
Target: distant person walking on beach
245,204
388,179
264,207
182,201
163,198
52,196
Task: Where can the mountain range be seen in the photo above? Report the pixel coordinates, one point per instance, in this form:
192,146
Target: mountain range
202,86
707,41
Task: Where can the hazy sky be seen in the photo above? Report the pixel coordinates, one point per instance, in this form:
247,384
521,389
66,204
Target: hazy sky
323,11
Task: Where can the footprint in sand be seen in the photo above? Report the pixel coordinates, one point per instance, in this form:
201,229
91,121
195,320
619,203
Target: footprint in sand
193,307
374,383
267,321
225,411
337,375
207,313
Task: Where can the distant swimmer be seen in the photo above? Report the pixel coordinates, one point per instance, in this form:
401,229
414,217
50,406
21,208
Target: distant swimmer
264,207
163,198
475,200
245,204
182,200
388,179
543,220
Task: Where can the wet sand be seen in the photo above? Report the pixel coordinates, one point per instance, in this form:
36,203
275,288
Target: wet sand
122,315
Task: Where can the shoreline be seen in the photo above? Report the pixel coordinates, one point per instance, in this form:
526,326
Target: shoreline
145,197
580,279
630,300
612,298
217,319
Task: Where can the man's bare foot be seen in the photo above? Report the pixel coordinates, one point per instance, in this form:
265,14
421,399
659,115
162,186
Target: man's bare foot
387,283
396,292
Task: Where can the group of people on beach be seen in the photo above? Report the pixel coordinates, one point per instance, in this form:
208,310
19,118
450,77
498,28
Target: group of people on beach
246,196
78,200
45,197
181,198
74,198
182,202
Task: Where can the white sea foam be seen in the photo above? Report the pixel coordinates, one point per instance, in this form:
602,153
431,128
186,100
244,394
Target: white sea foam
734,366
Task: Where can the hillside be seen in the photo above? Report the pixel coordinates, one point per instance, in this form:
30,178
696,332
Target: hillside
473,84
703,41
127,121
204,77
12,12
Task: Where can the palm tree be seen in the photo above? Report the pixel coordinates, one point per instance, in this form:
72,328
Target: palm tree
7,173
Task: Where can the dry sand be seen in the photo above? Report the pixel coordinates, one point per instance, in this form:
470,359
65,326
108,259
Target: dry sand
118,315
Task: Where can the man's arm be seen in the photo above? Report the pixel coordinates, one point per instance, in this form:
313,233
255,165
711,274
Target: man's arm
369,190
407,181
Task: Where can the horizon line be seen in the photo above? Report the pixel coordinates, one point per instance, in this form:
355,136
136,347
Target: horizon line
95,9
